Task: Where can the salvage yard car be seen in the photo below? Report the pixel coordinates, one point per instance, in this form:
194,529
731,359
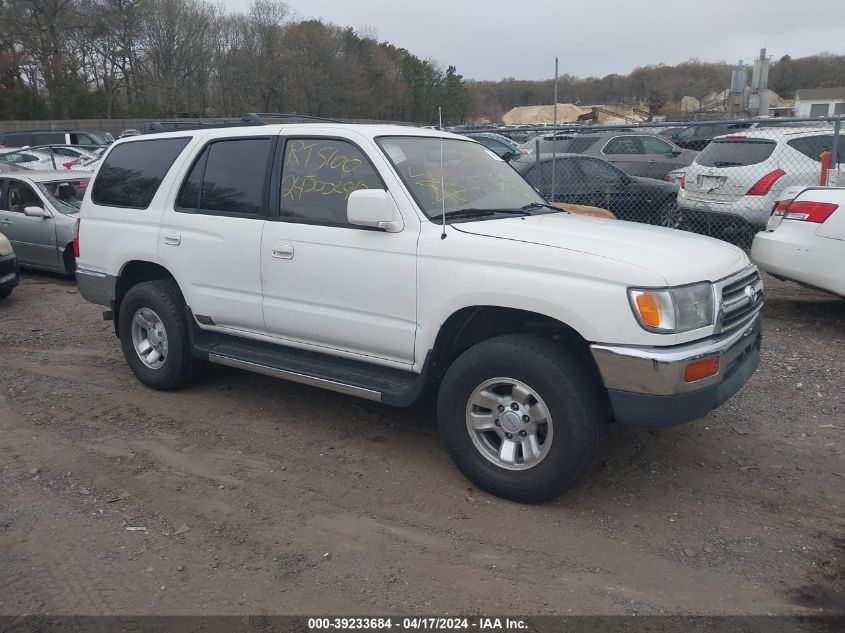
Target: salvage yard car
591,181
387,263
9,270
804,240
39,212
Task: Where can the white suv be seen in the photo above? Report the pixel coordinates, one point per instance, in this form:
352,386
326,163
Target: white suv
743,174
318,253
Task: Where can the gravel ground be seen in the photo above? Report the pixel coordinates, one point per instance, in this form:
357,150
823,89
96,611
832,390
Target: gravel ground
244,494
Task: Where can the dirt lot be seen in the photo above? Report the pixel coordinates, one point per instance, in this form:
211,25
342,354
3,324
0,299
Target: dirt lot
260,496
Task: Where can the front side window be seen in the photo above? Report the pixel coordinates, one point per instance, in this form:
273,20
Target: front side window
133,171
21,195
227,178
318,174
652,145
599,172
472,177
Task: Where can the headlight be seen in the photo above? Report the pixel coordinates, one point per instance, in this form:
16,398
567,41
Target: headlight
5,246
673,309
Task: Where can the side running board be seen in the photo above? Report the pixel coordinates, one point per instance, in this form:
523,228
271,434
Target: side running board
380,384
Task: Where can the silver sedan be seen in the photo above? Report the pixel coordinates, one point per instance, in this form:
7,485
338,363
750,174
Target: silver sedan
39,211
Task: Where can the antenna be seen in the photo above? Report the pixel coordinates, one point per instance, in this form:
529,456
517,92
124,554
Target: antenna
442,177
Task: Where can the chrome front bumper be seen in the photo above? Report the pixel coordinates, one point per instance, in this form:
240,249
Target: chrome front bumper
647,386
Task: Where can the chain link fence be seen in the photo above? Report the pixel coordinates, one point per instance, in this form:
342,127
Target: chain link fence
52,157
718,178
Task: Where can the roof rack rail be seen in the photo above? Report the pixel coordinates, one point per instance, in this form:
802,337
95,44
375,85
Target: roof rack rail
259,118
175,126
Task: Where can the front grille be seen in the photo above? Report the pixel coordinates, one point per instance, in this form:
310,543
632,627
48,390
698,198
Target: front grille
741,298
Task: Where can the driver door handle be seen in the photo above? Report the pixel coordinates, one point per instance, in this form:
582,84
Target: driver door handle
282,251
173,239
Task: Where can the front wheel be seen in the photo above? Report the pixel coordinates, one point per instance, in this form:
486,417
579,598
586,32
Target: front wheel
521,418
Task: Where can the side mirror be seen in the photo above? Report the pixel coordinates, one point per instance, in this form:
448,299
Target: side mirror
675,153
36,212
508,156
374,207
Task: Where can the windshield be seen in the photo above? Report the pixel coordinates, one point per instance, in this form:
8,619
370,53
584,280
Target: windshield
65,195
473,177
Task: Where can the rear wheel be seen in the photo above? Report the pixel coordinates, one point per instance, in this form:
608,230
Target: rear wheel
521,418
154,335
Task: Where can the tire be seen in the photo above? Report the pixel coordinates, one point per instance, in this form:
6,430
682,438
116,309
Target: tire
670,215
69,261
159,304
5,292
567,390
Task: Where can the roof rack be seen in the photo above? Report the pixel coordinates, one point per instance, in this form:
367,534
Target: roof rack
260,118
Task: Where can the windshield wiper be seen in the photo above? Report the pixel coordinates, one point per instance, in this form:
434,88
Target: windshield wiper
473,212
543,205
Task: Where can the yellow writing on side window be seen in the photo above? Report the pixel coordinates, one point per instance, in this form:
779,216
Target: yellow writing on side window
295,187
311,157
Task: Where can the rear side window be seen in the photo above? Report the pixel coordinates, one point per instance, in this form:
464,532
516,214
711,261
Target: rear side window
580,144
623,145
132,172
228,178
813,146
735,152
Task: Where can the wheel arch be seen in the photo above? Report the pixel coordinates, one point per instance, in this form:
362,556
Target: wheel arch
134,272
471,325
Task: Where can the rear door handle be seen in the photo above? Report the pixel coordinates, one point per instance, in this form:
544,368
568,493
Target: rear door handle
282,251
172,238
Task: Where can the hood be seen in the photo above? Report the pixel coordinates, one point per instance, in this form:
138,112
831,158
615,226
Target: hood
677,256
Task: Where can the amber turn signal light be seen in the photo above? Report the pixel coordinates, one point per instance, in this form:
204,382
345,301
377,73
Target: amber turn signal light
649,310
700,369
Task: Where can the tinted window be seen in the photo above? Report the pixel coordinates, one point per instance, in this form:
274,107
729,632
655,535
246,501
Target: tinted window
623,145
652,145
599,172
132,172
580,144
812,146
567,176
317,177
233,179
735,152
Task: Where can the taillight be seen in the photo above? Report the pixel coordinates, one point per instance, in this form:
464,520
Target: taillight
807,211
76,239
683,182
764,185
781,206
68,165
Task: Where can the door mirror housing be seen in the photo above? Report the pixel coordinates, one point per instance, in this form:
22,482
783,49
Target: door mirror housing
374,207
36,212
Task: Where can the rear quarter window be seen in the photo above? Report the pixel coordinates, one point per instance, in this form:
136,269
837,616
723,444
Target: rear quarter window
813,146
132,172
735,152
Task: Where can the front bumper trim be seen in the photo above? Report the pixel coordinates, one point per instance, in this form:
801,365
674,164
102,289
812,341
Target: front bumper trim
647,387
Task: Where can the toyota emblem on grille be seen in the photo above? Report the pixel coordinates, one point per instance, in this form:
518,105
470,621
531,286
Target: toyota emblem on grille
750,294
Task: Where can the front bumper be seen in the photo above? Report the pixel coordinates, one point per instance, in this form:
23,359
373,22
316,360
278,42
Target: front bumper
647,387
10,272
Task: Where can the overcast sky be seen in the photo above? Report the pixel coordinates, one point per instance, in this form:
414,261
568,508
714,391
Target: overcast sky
494,39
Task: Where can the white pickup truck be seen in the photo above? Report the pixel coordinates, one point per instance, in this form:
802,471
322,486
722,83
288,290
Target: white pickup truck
390,263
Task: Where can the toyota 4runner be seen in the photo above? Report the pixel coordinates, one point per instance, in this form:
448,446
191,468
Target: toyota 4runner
390,262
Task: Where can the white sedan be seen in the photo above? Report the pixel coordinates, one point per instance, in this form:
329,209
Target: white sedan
804,240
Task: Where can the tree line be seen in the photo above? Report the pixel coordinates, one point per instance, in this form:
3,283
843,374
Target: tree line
167,58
